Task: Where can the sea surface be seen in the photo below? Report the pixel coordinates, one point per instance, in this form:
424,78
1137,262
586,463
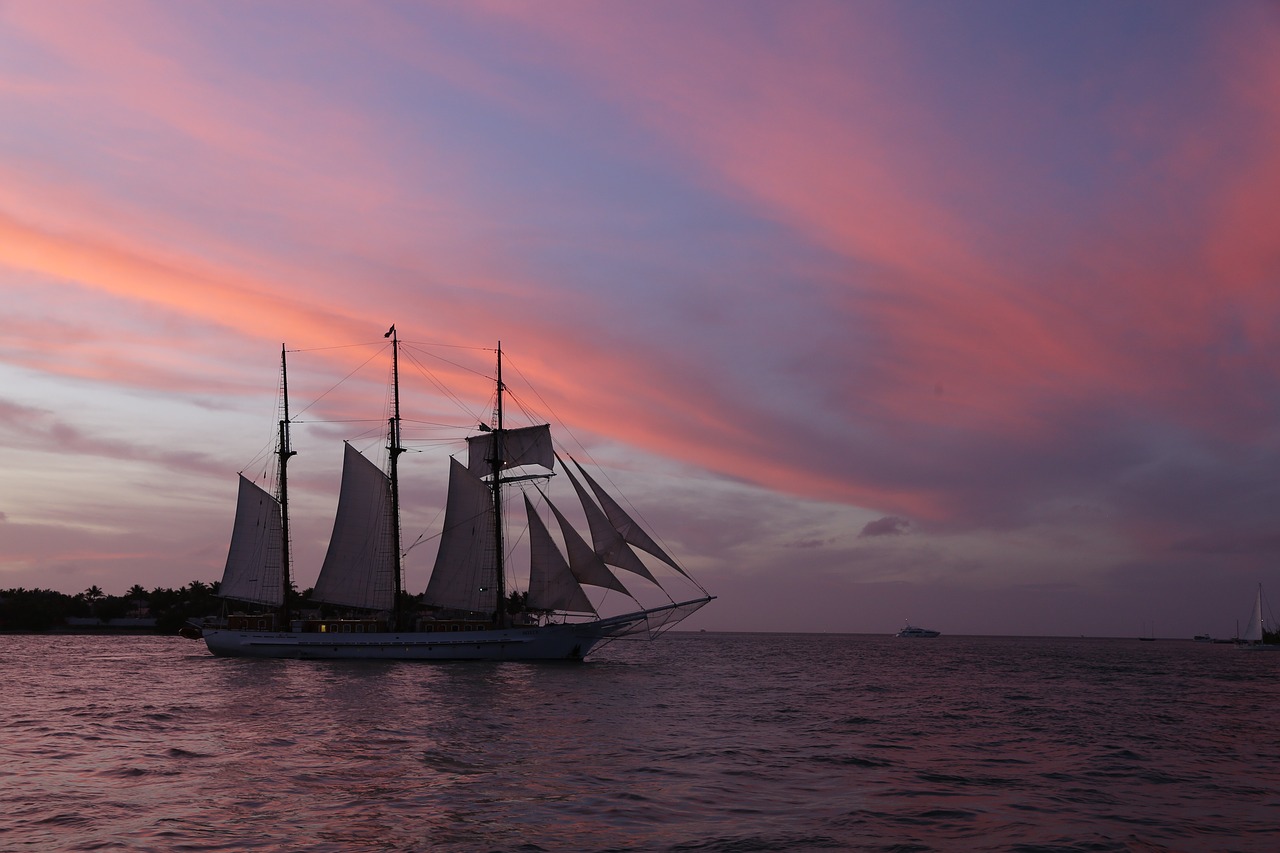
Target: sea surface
696,742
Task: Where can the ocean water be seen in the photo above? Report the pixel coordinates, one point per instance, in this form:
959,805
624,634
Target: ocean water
697,742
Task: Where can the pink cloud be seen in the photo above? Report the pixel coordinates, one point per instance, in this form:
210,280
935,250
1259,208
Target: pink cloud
1132,311
963,302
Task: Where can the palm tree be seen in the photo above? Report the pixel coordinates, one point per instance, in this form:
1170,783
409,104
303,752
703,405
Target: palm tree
139,604
93,595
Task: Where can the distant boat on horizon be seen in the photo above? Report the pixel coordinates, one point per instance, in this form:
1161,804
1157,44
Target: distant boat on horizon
1255,633
914,632
467,611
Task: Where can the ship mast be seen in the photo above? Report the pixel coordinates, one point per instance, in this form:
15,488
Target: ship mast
395,449
285,451
499,452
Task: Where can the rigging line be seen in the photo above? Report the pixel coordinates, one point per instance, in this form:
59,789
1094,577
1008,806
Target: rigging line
652,531
268,449
423,347
511,549
423,538
431,525
605,591
545,508
261,455
531,414
444,387
637,515
335,385
338,421
378,343
466,369
441,386
425,344
545,404
422,445
439,424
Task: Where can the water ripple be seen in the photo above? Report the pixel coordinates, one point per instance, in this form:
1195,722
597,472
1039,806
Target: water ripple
697,743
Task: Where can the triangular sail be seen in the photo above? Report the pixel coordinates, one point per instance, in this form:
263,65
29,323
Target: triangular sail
584,562
631,532
608,542
359,568
1253,632
522,446
551,582
465,572
254,570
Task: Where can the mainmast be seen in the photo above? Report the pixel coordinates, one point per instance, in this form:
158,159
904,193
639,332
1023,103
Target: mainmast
285,452
499,452
395,450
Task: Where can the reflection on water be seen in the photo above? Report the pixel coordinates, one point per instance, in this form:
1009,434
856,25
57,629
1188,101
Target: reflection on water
697,742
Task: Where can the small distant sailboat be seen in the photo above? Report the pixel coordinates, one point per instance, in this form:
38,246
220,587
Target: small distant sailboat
916,632
468,612
1255,633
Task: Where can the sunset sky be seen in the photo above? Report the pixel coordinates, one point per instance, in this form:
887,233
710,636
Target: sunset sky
964,314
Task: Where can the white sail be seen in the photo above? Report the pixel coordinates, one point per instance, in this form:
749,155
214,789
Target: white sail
584,562
359,568
551,583
254,570
1253,631
608,542
631,532
465,572
523,446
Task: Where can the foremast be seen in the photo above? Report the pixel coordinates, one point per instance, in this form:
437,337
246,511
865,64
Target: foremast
284,450
394,450
496,462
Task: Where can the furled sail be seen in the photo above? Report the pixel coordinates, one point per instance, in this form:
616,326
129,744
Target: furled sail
551,583
465,572
606,540
254,570
359,569
631,532
523,446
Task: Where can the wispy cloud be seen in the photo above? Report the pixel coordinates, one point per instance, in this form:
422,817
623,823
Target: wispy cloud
890,525
1002,278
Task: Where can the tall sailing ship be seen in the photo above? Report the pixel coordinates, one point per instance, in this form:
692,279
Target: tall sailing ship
466,612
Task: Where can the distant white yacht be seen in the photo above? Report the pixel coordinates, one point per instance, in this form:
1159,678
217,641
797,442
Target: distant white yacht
1255,635
912,631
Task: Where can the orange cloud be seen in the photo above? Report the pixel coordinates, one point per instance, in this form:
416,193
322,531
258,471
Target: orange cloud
815,122
933,318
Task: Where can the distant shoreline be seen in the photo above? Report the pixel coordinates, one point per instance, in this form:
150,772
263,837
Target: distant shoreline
102,630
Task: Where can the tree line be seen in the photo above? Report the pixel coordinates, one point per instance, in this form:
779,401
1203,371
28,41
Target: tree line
47,610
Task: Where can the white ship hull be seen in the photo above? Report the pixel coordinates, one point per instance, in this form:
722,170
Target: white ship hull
567,641
513,644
